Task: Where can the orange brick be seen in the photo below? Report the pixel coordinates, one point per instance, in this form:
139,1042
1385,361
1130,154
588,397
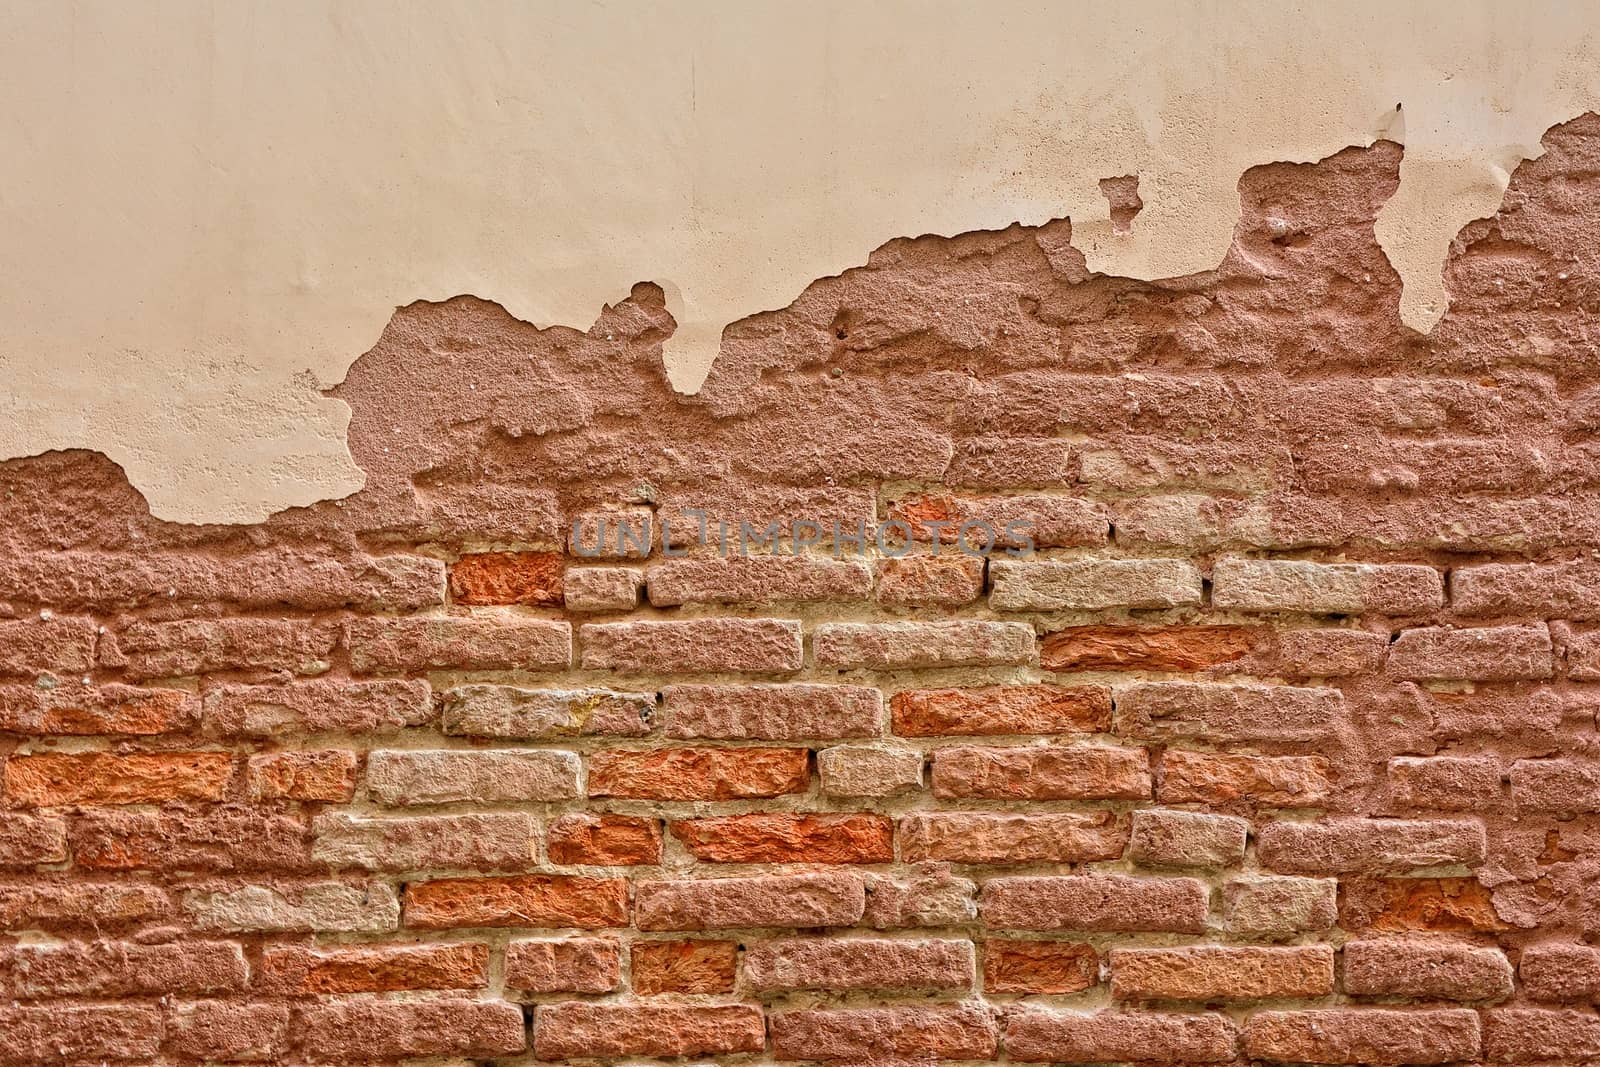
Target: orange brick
604,840
683,967
1039,967
534,900
507,578
295,970
784,838
1142,648
56,779
1001,709
699,773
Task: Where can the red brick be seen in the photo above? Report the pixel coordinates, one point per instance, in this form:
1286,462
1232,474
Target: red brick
905,645
1425,970
1267,781
1560,972
1001,709
120,968
859,963
360,1028
1011,838
78,1033
1095,902
1325,588
1216,973
754,646
514,713
229,1030
1363,1035
1039,967
1567,786
227,839
930,581
57,779
459,642
1560,590
1046,521
924,895
535,900
785,838
1447,783
1011,463
1073,1037
567,965
1169,711
756,580
561,1030
507,578
74,902
1147,648
1328,653
683,967
1369,845
317,707
296,970
772,712
1081,772
1186,839
699,773
499,840
1530,1035
1454,905
33,646
1488,654
26,840
584,837
919,1034
1092,584
70,709
323,776
199,646
799,900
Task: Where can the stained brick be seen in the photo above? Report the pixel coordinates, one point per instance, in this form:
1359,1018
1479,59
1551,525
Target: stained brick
1081,772
1279,908
602,588
1045,521
298,971
295,907
119,968
1187,839
929,581
443,777
483,841
227,839
869,770
1092,585
58,779
360,1028
1370,845
321,776
32,646
1039,966
1422,904
515,713
566,965
198,646
316,707
859,963
64,708
963,1032
583,837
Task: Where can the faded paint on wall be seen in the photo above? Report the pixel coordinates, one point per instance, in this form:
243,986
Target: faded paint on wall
210,212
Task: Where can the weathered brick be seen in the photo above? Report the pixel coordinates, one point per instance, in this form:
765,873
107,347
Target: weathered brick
1431,904
225,839
1363,1035
445,777
515,713
57,779
1043,521
1371,846
1147,648
1092,584
1001,709
1425,970
930,581
479,841
924,895
1570,786
905,645
584,837
753,646
1531,1035
507,578
1325,588
1011,463
1011,838
198,646
864,963
869,770
535,900
567,965
614,533
772,712
1095,902
1039,966
1446,783
79,1033
1080,772
1193,521
459,642
324,776
492,511
1278,908
683,966
295,907
72,901
1213,973
1328,653
32,646
1038,1036
799,900
64,708
229,1031
602,588
360,1028
699,773
1187,839
757,580
316,707
1487,654
299,971
574,1029
1560,590
694,513
779,837
1266,781
918,1034
120,968
1556,971
1175,710
26,840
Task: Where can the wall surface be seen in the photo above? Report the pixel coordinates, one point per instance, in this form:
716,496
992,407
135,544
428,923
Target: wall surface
211,209
1281,745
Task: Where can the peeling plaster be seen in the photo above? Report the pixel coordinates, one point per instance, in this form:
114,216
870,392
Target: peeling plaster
210,212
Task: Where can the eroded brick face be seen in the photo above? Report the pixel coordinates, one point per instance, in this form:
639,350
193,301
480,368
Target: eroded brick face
1279,747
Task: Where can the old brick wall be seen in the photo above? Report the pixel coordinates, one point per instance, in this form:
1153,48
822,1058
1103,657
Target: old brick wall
1281,746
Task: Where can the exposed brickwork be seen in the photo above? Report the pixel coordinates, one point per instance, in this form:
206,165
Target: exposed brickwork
1279,747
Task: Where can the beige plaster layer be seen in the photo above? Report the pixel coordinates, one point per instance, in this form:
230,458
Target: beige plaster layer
210,209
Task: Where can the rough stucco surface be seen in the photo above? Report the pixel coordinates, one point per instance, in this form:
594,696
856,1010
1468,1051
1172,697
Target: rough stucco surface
210,213
1282,746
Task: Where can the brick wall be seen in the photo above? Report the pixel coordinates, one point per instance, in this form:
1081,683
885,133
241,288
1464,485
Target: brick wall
1281,746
